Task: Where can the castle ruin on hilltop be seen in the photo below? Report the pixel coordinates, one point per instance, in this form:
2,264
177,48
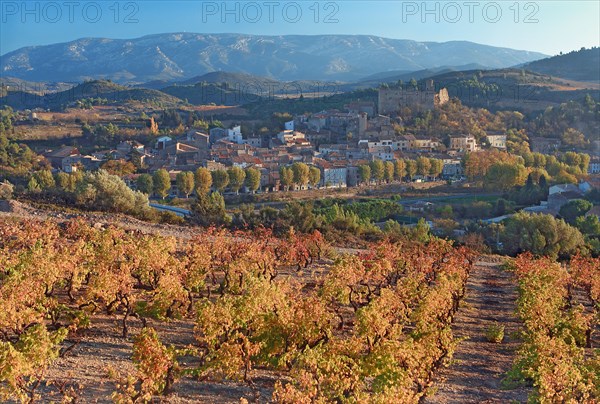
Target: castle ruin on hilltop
393,99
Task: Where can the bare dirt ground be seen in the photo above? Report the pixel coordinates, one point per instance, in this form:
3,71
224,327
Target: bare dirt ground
85,368
21,210
478,366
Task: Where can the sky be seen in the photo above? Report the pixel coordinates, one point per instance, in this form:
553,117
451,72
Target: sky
548,27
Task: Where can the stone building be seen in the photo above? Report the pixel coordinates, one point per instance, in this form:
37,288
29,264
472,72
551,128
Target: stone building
392,99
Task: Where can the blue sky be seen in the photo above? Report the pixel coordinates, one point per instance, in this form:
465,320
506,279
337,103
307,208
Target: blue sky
544,26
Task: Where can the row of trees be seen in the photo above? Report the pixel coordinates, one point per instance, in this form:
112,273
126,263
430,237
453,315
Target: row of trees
299,174
397,170
200,181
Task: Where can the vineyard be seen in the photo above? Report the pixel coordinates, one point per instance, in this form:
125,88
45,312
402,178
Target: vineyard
559,322
230,316
372,326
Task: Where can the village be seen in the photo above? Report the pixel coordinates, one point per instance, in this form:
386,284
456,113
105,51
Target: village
336,142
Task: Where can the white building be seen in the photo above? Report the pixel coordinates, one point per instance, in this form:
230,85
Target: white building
289,136
234,135
464,143
594,167
497,141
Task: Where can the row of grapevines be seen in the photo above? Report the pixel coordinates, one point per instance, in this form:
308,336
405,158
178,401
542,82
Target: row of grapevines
374,328
28,271
395,305
556,331
586,274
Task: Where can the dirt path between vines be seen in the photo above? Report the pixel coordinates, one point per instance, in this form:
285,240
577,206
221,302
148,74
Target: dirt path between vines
478,366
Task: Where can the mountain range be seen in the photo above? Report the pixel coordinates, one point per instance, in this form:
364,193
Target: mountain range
173,57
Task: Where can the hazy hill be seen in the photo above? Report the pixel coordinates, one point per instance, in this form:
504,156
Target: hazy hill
179,56
225,88
388,76
582,65
15,84
110,91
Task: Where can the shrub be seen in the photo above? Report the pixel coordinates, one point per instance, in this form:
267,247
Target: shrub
103,191
494,333
6,190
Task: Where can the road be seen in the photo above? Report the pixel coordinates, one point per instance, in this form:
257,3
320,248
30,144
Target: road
166,208
405,201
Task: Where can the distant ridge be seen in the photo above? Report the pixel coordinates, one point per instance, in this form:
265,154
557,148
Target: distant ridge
175,57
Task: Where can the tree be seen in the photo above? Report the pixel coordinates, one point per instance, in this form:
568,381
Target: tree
106,133
364,172
33,185
209,210
377,170
171,118
6,190
45,179
436,167
161,181
220,179
201,125
286,177
574,209
145,184
119,167
584,162
314,176
589,225
477,164
203,180
301,174
185,182
504,176
104,191
423,166
573,137
539,160
236,178
153,126
501,207
411,168
62,180
252,179
399,169
541,235
389,171
529,185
